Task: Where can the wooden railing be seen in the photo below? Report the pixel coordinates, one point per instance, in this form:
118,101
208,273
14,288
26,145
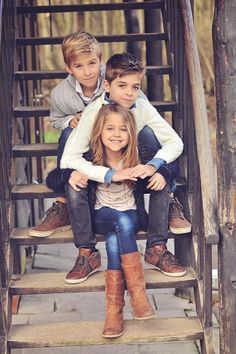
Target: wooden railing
193,125
7,28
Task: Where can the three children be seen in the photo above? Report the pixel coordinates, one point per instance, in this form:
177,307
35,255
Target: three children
122,84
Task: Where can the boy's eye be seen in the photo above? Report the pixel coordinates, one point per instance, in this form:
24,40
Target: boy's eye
136,88
122,86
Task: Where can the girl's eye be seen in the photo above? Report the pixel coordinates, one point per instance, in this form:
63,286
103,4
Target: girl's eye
124,130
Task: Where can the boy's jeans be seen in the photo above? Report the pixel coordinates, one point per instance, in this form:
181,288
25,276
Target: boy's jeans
61,143
158,207
119,229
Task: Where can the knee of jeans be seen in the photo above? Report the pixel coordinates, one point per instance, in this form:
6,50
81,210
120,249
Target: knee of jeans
112,245
124,223
147,137
72,195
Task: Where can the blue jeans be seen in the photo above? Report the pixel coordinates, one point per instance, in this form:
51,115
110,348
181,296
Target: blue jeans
119,229
61,143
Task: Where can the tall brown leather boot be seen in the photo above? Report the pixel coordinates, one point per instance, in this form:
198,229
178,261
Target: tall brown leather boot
114,304
134,276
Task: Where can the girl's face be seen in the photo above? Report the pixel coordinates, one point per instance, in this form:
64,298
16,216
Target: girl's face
114,134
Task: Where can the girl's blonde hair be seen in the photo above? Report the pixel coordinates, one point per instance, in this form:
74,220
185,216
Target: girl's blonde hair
129,153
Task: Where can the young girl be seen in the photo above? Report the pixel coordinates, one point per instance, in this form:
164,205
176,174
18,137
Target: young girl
113,144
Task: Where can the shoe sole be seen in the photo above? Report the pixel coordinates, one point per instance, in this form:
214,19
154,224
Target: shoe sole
112,335
168,274
143,318
81,280
36,233
179,231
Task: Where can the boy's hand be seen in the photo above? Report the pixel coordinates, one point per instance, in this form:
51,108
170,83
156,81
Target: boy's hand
123,175
75,120
157,182
143,171
78,179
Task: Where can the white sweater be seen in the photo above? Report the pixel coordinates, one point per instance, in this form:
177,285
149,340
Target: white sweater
145,115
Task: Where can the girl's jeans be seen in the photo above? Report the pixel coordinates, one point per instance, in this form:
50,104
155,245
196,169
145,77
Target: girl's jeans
119,229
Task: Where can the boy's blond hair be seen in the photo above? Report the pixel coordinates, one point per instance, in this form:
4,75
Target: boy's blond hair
79,43
122,64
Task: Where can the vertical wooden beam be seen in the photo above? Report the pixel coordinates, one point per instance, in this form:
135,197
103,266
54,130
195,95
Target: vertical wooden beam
224,42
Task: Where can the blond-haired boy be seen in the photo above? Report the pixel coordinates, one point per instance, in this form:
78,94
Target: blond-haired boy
82,56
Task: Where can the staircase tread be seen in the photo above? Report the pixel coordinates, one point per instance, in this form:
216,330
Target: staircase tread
162,36
20,236
88,7
61,72
53,282
40,190
37,149
89,332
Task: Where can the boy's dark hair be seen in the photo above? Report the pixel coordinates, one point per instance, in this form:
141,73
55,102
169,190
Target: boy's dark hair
122,64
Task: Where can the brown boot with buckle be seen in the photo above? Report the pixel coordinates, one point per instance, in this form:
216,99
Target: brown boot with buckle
57,219
134,276
178,224
114,304
163,260
86,264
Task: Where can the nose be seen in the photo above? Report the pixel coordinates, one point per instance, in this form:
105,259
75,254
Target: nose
129,91
86,71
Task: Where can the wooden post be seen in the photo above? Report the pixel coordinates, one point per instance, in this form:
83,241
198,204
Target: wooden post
224,42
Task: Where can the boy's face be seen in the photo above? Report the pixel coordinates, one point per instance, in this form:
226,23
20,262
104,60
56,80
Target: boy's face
86,70
124,90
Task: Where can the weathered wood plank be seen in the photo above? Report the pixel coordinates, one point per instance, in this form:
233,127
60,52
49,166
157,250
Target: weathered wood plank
225,74
47,283
102,39
71,334
59,74
37,191
41,111
20,236
208,188
29,150
89,7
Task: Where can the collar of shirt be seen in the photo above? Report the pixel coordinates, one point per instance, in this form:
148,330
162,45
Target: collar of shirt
78,89
107,99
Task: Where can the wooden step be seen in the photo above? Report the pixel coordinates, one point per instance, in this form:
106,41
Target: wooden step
20,236
42,111
31,111
48,283
30,150
89,7
61,74
134,37
89,333
39,191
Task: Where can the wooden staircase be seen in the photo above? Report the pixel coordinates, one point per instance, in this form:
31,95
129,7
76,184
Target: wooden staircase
192,250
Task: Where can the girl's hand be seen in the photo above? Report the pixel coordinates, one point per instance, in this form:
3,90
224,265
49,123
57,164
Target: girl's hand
78,179
123,175
157,182
143,171
75,121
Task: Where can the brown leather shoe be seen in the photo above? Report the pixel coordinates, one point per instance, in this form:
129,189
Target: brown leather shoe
86,264
178,224
164,261
57,219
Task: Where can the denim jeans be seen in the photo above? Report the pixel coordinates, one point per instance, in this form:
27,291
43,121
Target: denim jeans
61,143
119,229
158,208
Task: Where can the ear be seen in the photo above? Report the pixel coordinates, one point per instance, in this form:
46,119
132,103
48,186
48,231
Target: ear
106,86
68,69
